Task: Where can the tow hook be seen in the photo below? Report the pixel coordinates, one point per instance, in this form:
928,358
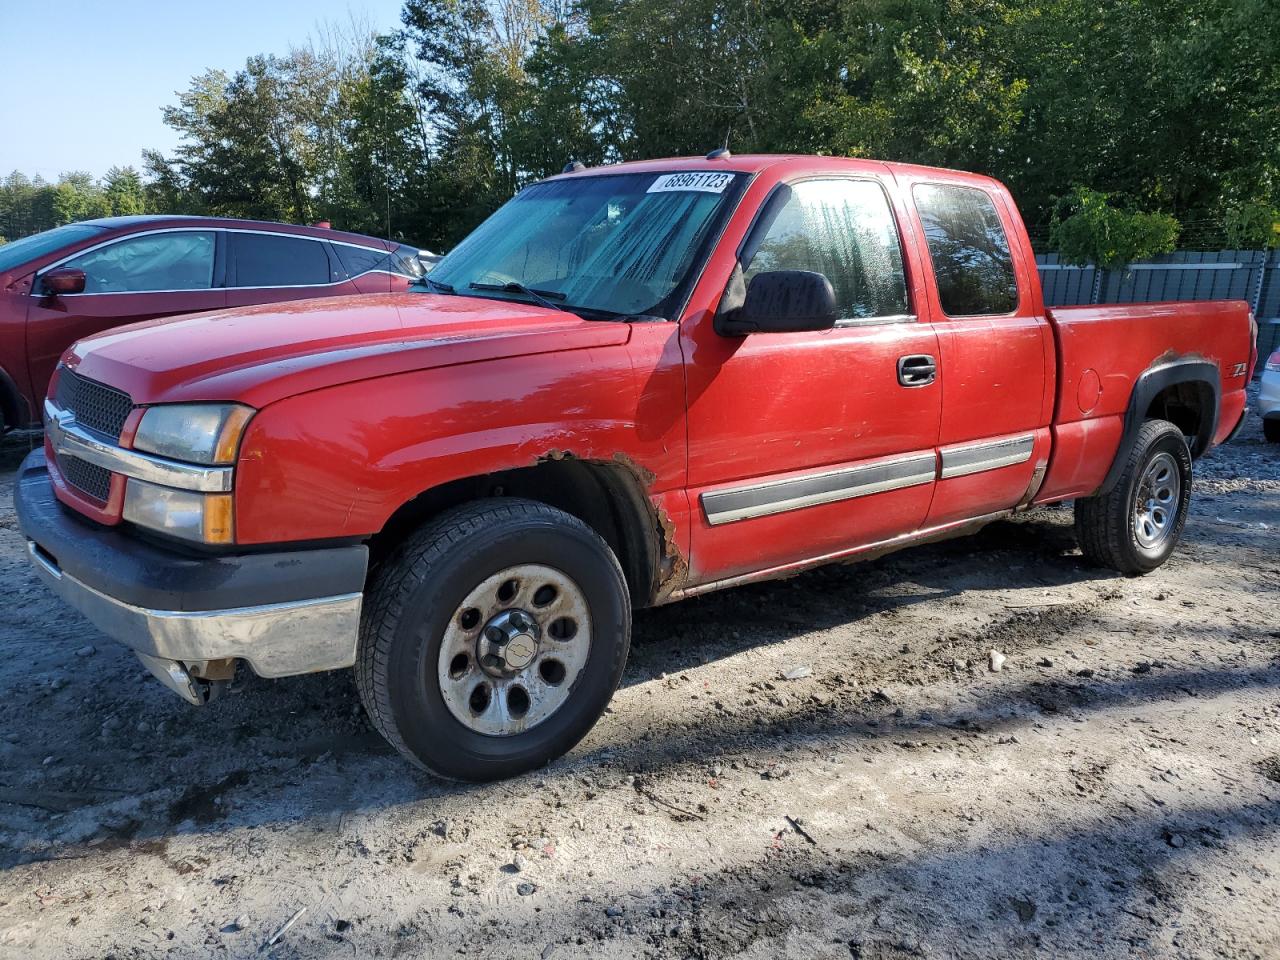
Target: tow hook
175,675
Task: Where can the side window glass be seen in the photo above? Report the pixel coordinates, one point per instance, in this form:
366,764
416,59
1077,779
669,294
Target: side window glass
969,250
408,262
843,229
271,260
358,260
179,260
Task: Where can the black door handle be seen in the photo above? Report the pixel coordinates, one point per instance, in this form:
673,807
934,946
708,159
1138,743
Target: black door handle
917,370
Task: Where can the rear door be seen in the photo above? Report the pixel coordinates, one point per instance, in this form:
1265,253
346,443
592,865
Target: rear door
132,278
265,267
803,445
996,348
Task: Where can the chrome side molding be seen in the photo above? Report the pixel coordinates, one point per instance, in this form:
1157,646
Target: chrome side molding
862,479
829,486
962,459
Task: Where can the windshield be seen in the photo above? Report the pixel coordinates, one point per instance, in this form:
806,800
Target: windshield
621,244
18,252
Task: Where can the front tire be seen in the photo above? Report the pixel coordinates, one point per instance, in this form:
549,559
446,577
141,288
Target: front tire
1135,527
1271,429
493,639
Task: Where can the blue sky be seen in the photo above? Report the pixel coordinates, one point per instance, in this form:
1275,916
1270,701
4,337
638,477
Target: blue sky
83,81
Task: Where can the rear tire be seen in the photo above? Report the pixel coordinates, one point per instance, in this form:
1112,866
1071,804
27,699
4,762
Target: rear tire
1271,429
493,639
1135,527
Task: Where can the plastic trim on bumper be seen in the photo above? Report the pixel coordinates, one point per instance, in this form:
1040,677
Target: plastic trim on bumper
277,640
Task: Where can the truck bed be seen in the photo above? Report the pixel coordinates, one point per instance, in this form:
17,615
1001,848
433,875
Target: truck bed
1103,351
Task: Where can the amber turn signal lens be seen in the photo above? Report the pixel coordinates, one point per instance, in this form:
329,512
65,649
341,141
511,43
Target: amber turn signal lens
228,445
219,518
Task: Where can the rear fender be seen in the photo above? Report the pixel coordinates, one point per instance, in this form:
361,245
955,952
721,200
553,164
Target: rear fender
1149,385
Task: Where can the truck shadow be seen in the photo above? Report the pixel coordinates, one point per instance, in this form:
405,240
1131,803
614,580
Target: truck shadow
1025,554
278,747
1050,889
328,777
272,794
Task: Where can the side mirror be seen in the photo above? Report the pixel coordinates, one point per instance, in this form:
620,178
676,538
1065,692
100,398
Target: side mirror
63,281
782,301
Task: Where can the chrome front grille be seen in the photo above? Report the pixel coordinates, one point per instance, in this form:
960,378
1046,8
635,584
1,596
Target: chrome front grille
98,408
94,405
89,478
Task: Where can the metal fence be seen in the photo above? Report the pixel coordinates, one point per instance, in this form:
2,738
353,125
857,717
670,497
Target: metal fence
1251,275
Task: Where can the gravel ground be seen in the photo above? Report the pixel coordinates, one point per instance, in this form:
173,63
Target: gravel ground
824,767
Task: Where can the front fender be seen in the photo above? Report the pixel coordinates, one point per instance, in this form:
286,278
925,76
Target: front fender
339,462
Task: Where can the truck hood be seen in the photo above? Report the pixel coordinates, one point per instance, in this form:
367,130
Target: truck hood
260,354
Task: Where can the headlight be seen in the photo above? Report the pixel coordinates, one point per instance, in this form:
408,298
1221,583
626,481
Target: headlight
202,517
203,433
1273,361
206,433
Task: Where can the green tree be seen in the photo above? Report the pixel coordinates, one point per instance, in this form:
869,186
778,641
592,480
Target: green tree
1091,227
1174,103
77,196
470,68
123,191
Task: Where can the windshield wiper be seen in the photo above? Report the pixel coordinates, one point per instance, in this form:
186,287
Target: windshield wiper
600,313
542,298
434,285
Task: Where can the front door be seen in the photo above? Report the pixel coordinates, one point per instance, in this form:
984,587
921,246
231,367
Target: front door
806,445
138,277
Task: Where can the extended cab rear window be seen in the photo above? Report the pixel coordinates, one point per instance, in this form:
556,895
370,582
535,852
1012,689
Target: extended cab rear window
969,250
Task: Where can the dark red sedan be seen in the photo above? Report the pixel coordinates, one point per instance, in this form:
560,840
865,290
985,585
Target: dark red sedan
72,281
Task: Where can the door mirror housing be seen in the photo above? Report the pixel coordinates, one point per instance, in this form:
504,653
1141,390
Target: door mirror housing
782,301
67,280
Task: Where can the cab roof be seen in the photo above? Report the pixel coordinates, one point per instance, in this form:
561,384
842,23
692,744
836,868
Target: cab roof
754,163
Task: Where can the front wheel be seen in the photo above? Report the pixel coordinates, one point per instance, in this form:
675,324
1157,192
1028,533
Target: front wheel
493,639
1136,526
1271,429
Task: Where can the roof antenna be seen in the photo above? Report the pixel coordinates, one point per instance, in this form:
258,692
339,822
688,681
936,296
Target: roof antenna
573,166
722,152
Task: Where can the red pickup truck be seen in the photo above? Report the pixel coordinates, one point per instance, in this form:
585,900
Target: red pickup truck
631,384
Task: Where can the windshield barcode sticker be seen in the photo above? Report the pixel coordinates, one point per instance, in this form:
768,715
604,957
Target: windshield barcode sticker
700,182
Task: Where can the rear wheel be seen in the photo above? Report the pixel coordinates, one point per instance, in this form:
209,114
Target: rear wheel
493,639
1271,429
1136,526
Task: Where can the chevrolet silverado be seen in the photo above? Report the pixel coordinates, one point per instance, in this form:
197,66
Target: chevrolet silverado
630,385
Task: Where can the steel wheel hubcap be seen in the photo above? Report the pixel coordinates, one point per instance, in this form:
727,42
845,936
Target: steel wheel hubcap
514,649
1156,503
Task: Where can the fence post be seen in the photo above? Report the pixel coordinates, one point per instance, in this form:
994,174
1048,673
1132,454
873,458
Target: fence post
1261,284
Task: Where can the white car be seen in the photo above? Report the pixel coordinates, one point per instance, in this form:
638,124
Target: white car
1269,398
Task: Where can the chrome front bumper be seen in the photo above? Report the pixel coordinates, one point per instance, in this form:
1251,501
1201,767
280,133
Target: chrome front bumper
300,612
277,639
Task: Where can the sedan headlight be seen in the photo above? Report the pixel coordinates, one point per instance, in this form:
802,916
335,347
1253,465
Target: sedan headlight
202,433
195,432
1273,361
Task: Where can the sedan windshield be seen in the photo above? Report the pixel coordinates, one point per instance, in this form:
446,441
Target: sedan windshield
617,244
18,252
